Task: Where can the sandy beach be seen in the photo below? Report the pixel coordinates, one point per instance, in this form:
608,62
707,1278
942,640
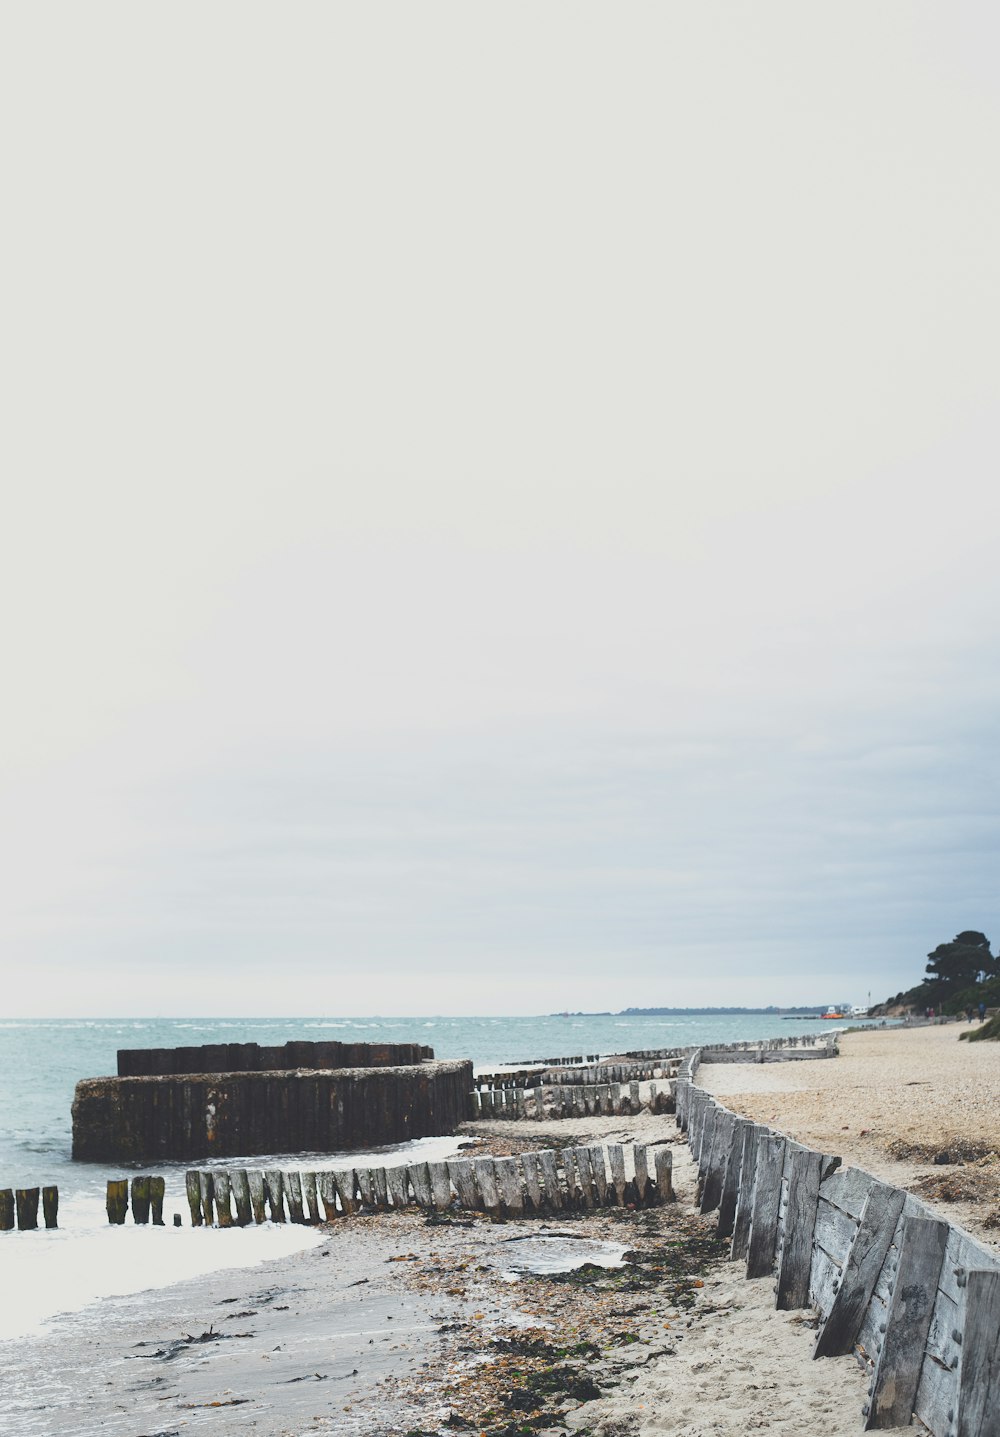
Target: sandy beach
421,1325
892,1102
413,1325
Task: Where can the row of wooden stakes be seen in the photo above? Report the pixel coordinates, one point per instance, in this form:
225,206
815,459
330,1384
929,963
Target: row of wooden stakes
618,1072
534,1182
569,1101
913,1297
147,1200
19,1207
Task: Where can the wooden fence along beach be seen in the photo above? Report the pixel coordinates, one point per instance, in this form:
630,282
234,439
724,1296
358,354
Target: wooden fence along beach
915,1298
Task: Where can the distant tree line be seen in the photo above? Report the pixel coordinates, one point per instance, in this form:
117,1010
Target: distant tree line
959,975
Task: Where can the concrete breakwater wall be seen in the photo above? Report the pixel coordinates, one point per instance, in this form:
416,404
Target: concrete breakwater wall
253,1058
912,1296
138,1119
534,1182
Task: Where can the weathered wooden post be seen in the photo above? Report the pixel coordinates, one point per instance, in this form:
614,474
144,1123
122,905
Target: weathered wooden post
50,1206
420,1182
800,1223
6,1209
255,1183
398,1189
240,1186
715,1163
908,1320
206,1188
881,1212
274,1185
979,1373
157,1192
766,1204
616,1160
117,1200
193,1188
440,1186
222,1188
550,1179
310,1198
140,1200
508,1175
293,1192
27,1208
532,1180
663,1164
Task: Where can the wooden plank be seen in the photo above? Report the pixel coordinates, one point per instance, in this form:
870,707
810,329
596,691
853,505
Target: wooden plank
800,1220
663,1162
712,1112
550,1179
223,1205
744,1194
898,1369
6,1209
824,1280
715,1166
835,1230
345,1183
366,1187
487,1179
255,1182
440,1186
862,1265
532,1180
731,1180
847,1189
766,1202
397,1187
979,1373
420,1182
616,1159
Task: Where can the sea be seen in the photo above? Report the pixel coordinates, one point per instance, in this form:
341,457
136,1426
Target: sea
46,1273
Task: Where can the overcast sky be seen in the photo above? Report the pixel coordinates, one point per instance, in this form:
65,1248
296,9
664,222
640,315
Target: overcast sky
500,503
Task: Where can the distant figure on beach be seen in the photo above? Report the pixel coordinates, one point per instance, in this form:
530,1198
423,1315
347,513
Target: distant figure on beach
970,1013
982,1011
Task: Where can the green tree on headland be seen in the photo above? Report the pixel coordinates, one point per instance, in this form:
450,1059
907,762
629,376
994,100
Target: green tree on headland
960,964
959,975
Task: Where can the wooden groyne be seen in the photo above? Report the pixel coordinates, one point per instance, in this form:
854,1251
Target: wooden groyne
19,1208
190,1116
253,1058
571,1101
575,1178
912,1296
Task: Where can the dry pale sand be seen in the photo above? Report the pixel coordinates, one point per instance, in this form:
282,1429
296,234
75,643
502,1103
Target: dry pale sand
892,1101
